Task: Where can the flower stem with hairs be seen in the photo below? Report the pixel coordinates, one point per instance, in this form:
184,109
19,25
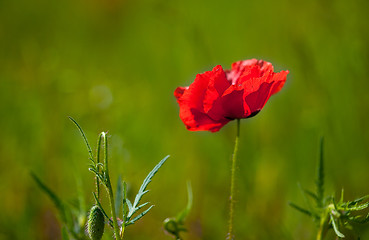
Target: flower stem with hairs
233,173
109,188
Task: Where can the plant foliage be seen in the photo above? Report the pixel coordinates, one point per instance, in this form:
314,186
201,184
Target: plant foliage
73,218
329,213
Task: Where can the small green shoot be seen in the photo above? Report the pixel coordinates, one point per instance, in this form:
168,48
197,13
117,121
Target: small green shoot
175,225
326,212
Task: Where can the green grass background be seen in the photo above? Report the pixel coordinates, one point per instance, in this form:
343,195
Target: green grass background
113,65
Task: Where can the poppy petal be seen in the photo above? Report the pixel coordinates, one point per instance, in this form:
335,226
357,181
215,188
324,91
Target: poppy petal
199,121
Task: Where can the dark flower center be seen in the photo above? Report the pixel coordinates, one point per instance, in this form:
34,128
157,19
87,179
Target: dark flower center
253,114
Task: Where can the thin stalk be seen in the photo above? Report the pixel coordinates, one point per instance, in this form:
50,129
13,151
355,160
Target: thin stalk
108,186
323,227
124,210
84,138
122,231
233,173
97,164
319,236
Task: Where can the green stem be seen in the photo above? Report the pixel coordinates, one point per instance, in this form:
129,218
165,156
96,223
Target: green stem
319,235
122,231
322,227
97,164
233,171
108,186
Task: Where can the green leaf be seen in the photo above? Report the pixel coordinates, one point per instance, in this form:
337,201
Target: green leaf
139,216
141,206
306,200
147,180
307,212
335,227
360,207
129,204
311,194
133,208
358,200
57,202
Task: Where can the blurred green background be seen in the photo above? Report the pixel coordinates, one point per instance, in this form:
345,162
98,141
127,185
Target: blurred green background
113,65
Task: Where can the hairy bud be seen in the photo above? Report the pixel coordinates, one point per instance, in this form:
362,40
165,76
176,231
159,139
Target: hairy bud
96,223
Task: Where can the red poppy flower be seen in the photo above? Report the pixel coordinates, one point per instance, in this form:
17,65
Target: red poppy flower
217,97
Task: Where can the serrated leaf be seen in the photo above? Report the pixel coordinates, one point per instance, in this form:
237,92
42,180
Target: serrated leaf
360,207
129,204
133,208
311,194
307,202
141,206
307,212
140,215
358,200
147,180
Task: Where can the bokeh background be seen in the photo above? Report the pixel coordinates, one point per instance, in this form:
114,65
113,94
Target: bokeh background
113,65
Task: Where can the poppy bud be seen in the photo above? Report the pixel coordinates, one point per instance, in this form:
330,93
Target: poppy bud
171,226
96,223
